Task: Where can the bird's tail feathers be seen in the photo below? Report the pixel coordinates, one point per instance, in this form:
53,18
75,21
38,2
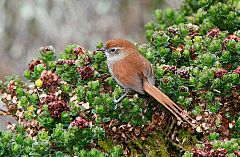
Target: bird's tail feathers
166,102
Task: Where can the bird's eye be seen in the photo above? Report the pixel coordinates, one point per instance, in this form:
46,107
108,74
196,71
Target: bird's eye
113,50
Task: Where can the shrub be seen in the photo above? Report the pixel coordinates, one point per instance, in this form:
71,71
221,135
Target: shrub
66,107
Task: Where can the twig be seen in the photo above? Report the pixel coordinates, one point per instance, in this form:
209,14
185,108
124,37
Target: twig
6,113
173,143
3,113
169,130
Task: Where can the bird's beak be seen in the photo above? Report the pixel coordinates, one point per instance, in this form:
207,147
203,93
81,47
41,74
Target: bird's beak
102,49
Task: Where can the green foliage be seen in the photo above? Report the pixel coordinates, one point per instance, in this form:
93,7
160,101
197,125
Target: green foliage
217,148
66,107
196,62
207,14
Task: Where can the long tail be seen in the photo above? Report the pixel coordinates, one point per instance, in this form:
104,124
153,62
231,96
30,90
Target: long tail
166,102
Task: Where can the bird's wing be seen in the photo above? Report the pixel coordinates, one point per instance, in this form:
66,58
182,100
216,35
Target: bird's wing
131,72
146,69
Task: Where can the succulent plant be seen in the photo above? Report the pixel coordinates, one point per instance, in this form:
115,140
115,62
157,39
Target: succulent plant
66,107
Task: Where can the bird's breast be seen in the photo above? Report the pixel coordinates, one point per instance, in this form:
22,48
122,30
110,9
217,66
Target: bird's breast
110,68
113,59
111,62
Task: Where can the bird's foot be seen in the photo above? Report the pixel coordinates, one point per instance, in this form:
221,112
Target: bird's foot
116,101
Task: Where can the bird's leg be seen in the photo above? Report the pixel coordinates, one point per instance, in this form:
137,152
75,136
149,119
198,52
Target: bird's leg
121,97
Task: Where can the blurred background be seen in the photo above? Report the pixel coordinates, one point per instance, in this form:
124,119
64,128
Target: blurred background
26,25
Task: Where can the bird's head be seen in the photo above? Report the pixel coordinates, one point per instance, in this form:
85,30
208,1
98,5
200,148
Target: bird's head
117,47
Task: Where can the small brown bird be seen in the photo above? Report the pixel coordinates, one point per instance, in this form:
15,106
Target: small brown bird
134,72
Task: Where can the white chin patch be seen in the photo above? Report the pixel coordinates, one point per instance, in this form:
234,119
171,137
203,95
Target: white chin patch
107,54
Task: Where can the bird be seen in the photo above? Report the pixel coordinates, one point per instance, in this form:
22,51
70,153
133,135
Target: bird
132,71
